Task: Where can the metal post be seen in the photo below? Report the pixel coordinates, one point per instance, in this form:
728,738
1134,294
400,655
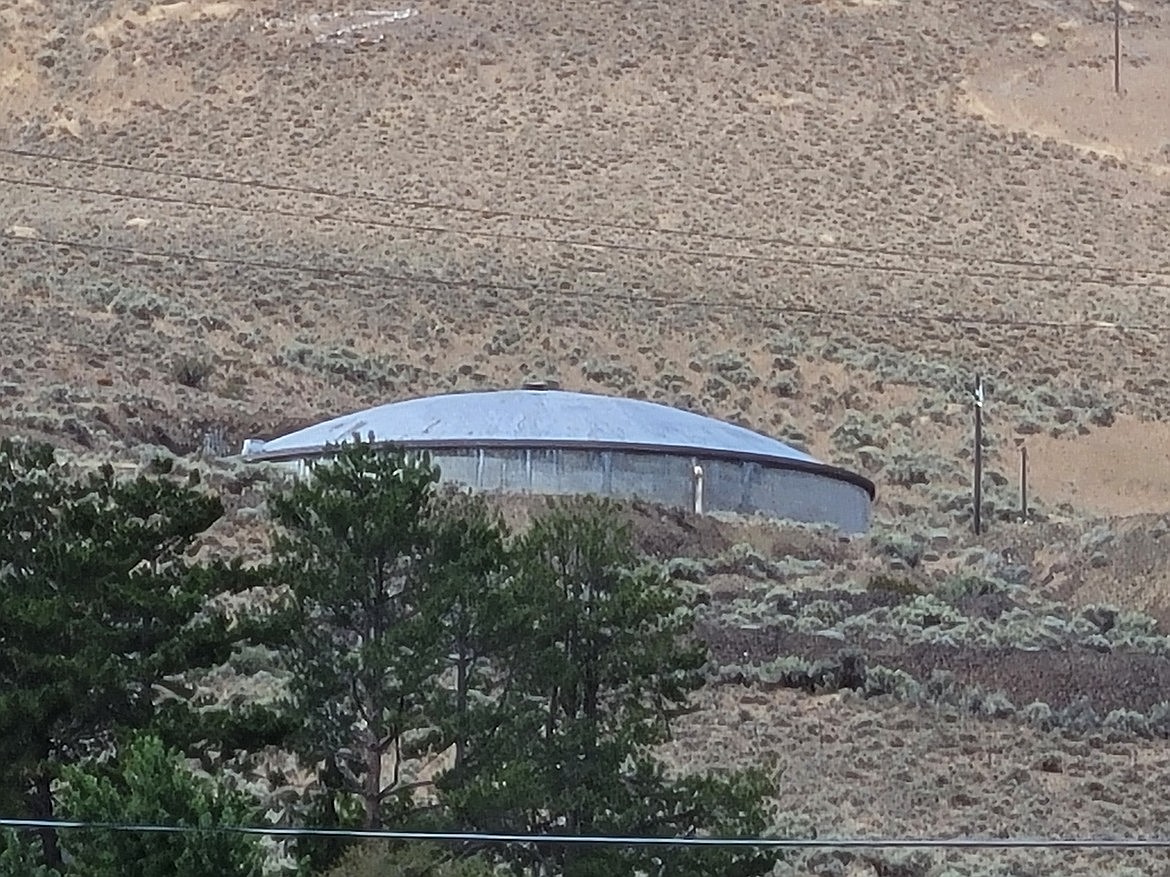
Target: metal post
978,504
1023,482
1117,46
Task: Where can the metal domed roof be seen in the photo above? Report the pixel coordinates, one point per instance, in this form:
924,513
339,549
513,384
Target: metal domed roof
533,418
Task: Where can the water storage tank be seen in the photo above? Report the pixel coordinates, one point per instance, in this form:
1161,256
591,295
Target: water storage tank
542,440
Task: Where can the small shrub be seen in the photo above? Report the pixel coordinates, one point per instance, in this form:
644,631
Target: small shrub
1102,415
989,704
941,689
898,683
1098,643
927,611
907,470
1134,625
899,547
786,346
192,371
610,373
716,388
847,670
671,382
1097,538
786,386
1128,723
1158,720
860,431
734,368
346,365
235,387
963,586
791,671
741,559
687,569
1049,762
1077,718
825,613
1103,618
893,584
504,340
916,863
853,671
142,304
380,859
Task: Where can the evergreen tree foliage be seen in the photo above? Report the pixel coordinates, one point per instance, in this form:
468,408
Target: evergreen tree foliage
99,605
148,784
602,658
467,589
549,666
20,857
353,547
379,859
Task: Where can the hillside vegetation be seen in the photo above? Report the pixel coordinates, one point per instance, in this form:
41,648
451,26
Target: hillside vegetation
820,219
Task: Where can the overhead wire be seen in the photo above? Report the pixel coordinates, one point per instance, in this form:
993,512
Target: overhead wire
332,272
590,245
421,204
759,842
348,273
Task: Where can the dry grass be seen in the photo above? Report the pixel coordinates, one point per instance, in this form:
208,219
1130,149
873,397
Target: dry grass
749,210
862,768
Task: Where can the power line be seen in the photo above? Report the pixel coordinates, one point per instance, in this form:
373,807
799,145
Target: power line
591,245
336,273
940,843
422,204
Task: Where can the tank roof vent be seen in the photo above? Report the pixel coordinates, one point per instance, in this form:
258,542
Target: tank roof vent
541,385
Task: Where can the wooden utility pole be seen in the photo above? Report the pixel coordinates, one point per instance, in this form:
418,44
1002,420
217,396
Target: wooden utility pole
1117,46
978,500
1023,482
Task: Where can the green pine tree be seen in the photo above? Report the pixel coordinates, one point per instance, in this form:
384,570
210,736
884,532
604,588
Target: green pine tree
351,545
148,784
390,578
467,575
551,665
21,857
100,605
602,657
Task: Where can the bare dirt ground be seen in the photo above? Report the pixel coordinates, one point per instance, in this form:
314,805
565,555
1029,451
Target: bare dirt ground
1060,98
227,218
861,769
1123,470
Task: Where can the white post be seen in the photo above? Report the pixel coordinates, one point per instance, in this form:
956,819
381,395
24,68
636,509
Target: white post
977,503
697,472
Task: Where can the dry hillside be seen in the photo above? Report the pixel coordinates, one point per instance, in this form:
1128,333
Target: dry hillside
820,218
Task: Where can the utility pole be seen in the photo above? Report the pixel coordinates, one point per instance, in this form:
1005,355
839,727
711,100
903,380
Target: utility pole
1117,46
1023,481
978,503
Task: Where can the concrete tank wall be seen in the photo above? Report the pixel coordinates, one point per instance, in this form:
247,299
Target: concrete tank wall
733,486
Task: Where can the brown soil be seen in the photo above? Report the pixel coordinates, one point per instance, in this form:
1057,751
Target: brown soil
1123,470
1104,681
1065,90
855,768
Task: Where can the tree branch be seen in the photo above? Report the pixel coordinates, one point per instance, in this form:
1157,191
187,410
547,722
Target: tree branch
398,789
347,773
